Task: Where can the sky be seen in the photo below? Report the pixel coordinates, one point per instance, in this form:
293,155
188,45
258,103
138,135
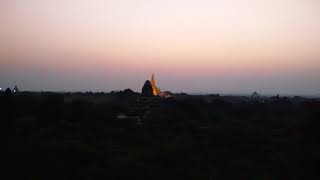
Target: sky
199,46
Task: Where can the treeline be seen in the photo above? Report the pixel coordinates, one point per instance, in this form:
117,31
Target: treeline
123,135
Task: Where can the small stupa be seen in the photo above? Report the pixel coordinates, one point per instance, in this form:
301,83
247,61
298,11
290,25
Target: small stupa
255,95
15,89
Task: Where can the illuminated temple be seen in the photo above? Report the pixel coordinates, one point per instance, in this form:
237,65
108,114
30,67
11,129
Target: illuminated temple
156,90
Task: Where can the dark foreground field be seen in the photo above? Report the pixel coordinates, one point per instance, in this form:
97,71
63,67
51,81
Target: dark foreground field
122,135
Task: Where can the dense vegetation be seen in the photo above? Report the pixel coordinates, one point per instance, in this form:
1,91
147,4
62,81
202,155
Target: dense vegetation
122,135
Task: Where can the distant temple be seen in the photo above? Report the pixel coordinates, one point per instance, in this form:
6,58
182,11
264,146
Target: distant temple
151,89
255,95
155,89
15,89
147,89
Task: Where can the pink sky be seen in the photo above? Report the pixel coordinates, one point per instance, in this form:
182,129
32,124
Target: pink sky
223,46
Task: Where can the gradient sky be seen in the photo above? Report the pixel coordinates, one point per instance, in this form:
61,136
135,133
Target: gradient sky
199,46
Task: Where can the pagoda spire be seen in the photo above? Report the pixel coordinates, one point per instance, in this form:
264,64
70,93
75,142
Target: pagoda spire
156,90
153,81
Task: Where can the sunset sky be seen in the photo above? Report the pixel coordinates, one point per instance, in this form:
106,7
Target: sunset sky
193,46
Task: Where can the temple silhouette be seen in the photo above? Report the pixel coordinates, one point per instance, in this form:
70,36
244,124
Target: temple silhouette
151,89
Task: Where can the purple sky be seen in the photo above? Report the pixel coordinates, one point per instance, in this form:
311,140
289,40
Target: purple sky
204,46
